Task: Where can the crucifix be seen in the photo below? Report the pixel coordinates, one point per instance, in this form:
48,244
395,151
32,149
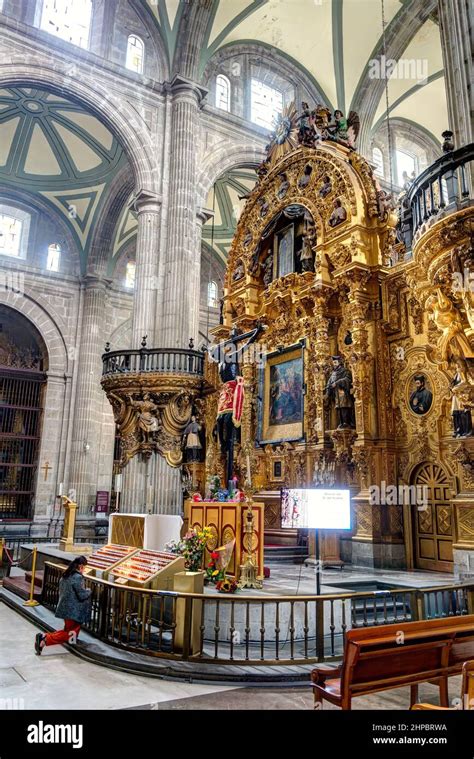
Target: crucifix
231,394
46,469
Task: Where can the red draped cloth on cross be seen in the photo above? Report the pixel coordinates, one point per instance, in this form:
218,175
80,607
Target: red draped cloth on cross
231,400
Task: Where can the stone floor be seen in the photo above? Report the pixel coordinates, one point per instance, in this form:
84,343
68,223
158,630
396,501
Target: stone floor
298,579
59,680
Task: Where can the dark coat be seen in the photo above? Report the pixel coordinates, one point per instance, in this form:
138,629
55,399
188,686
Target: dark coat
73,599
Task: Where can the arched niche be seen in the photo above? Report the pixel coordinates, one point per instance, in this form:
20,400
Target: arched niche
23,366
285,246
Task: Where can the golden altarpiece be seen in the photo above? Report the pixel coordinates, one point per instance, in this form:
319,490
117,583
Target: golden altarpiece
316,260
324,278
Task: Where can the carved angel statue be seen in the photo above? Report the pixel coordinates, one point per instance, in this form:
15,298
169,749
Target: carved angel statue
344,131
146,419
267,267
445,315
320,117
306,132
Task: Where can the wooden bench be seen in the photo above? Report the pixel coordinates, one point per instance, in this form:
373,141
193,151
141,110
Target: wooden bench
467,692
392,656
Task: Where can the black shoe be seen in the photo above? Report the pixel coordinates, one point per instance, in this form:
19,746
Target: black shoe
38,640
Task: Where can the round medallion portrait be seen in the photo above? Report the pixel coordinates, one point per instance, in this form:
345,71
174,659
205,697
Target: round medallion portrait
420,395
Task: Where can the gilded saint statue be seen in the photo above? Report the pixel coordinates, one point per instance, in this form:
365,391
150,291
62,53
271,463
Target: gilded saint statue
462,420
445,315
338,391
306,255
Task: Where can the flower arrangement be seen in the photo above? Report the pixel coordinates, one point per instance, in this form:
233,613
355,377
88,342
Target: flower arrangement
227,585
214,574
191,547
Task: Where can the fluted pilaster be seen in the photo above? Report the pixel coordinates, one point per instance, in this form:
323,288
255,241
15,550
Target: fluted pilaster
148,208
456,43
179,313
88,417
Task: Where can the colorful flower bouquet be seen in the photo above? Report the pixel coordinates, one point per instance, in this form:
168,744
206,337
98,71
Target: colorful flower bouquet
191,547
227,585
213,573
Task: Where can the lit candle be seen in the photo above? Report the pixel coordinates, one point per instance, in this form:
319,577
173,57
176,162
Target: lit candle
60,489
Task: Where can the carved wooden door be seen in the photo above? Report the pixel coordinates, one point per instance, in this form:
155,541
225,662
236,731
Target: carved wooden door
433,525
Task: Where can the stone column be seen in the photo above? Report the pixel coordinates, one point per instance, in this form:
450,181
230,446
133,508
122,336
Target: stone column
170,290
88,417
151,486
148,207
179,312
456,42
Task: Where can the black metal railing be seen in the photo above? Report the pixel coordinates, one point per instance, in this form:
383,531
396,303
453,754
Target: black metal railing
240,629
161,360
444,185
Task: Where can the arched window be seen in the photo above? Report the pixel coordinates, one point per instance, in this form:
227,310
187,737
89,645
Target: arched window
130,275
222,93
14,230
68,19
212,299
135,54
54,257
406,164
266,103
377,158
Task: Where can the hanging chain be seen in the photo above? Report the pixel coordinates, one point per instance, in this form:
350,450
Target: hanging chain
387,104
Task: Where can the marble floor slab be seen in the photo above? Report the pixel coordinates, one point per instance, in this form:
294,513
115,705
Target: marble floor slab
301,698
59,680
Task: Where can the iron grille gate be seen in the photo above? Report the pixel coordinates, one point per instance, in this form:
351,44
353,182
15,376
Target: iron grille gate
21,393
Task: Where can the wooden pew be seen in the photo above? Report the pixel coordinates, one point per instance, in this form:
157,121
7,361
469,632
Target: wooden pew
467,692
392,656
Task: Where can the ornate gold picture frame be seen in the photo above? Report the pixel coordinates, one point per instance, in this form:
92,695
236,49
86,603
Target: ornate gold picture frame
281,393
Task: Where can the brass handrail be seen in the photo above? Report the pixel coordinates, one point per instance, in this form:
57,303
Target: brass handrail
272,599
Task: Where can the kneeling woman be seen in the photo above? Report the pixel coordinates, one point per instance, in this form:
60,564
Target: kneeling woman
73,606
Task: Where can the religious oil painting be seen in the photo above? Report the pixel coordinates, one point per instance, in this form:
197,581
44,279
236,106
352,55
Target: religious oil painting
286,391
282,396
420,396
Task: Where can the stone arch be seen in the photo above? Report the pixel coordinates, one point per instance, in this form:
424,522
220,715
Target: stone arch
122,334
46,325
273,60
118,195
227,156
123,120
399,33
34,203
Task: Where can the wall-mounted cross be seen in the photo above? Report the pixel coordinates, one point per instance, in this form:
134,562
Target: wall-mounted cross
46,469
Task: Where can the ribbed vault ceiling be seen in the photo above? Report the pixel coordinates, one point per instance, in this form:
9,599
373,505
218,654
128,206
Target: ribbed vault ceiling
331,40
51,146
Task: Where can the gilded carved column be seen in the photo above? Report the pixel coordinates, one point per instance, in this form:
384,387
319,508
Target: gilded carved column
85,456
361,358
320,342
